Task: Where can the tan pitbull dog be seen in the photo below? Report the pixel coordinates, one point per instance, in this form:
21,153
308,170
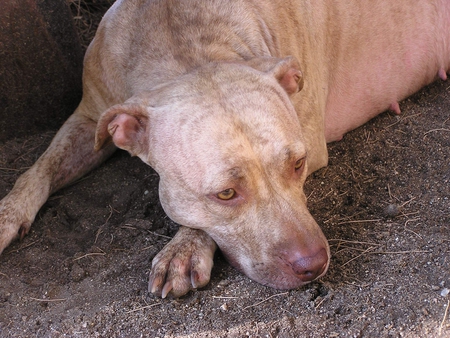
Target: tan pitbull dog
207,93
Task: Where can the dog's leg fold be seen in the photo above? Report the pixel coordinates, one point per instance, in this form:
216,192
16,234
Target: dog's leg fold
70,155
185,263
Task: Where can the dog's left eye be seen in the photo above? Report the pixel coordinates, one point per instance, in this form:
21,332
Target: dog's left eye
299,164
226,194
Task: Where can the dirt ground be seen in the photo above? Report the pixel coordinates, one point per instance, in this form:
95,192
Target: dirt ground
383,202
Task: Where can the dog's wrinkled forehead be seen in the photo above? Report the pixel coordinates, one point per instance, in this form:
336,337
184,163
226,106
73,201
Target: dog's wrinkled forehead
236,97
227,107
233,87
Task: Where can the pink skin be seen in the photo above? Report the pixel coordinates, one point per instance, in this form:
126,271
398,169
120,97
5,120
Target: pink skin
395,107
361,89
442,74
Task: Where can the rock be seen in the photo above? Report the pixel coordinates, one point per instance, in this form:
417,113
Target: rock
391,211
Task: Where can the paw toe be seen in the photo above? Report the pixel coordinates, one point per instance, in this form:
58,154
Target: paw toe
184,264
201,271
24,229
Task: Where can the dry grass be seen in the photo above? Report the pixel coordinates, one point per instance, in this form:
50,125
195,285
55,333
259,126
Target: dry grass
87,15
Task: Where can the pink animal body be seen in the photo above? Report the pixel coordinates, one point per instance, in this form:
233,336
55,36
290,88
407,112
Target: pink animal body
373,70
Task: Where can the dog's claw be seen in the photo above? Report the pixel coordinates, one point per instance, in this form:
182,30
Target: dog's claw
184,264
166,289
195,279
153,284
13,222
24,229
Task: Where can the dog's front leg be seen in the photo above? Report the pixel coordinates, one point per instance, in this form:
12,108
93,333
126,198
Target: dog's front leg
185,263
70,155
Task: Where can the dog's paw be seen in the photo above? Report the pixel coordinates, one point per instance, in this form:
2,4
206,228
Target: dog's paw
13,223
184,264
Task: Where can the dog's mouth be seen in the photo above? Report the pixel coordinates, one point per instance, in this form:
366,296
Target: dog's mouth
283,274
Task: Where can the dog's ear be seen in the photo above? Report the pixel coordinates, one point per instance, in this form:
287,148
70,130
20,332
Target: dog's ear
126,125
289,75
286,71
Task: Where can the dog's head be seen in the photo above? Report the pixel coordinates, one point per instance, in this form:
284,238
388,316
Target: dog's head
230,151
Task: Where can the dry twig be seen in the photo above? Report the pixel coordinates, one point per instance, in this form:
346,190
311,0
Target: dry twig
362,254
48,300
265,300
22,247
445,318
433,130
143,308
351,242
90,254
360,221
400,252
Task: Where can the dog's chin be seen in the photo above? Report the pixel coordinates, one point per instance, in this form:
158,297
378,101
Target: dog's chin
279,280
282,283
280,277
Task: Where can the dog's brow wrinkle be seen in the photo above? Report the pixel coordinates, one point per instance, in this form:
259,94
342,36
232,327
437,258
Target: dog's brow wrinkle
236,173
288,153
281,98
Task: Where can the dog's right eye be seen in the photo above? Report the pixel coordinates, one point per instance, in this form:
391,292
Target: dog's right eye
226,195
299,164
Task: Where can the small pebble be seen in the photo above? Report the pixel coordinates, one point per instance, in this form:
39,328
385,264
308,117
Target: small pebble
223,283
445,292
391,210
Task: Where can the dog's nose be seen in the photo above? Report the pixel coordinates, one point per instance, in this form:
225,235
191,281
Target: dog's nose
309,268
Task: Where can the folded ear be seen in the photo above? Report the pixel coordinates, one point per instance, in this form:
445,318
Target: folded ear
126,125
285,70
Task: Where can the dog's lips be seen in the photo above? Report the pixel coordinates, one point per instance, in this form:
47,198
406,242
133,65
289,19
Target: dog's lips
278,275
282,279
